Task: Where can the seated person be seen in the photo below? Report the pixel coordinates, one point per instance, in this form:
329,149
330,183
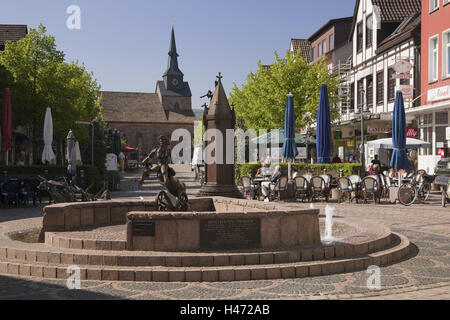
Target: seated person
263,171
336,159
268,186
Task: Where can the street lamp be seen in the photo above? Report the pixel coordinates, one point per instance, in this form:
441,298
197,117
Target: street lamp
363,110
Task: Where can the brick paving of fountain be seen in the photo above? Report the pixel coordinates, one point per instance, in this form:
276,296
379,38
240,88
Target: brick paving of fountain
426,275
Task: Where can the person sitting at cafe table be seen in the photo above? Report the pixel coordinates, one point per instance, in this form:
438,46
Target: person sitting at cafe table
263,171
268,186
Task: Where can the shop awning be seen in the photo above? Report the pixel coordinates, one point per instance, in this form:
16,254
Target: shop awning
387,144
128,149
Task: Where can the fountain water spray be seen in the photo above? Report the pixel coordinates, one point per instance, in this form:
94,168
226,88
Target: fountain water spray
329,213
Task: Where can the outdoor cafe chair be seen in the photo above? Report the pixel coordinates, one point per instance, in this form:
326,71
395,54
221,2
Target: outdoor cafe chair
345,189
248,188
356,186
279,186
370,189
302,189
11,192
318,188
29,191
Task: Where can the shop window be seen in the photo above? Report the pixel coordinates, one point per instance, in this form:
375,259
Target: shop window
442,118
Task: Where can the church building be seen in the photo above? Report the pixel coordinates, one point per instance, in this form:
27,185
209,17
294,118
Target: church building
142,117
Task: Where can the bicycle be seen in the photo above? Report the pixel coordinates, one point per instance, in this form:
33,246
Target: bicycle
417,190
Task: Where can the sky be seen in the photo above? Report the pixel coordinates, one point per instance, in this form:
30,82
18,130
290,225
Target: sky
125,43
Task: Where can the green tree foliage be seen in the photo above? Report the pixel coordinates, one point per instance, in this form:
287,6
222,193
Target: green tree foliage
42,78
261,101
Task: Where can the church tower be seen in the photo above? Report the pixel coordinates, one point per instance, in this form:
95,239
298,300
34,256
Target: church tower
174,93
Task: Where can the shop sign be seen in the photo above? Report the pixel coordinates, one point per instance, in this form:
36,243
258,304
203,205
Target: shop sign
439,93
402,66
350,143
441,153
406,89
378,130
412,133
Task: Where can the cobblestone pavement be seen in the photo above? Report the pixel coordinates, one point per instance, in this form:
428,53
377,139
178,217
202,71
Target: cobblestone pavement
425,275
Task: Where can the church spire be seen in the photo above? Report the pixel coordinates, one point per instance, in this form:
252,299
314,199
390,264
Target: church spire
172,68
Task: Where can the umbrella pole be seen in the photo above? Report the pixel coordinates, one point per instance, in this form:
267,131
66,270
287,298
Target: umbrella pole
289,169
7,157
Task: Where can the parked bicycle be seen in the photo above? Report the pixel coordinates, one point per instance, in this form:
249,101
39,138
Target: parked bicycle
417,190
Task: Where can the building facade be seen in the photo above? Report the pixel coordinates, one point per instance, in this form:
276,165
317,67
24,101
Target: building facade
432,113
331,40
143,117
383,34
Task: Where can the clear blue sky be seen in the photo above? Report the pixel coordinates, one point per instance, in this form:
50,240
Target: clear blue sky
125,43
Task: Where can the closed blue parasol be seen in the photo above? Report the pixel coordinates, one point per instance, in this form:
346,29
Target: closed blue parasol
324,128
289,147
399,159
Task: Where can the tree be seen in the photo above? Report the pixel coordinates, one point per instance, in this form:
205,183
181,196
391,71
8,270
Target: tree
262,100
42,78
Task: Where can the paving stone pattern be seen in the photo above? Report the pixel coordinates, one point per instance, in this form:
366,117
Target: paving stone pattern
424,275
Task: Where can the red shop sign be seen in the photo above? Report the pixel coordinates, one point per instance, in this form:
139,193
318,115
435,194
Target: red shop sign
412,133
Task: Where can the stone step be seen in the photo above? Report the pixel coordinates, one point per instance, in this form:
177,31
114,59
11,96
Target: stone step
50,270
173,259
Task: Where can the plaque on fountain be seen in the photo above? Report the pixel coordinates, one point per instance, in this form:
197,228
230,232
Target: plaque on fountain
230,234
144,228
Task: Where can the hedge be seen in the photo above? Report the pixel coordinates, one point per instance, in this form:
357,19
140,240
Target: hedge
347,168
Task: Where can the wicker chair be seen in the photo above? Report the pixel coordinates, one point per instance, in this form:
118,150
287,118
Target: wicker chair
248,189
319,188
345,189
370,189
280,185
356,186
302,188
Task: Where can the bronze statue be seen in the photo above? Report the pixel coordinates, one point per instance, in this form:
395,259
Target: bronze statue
208,95
166,176
163,157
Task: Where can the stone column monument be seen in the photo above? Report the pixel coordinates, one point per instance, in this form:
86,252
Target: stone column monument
219,177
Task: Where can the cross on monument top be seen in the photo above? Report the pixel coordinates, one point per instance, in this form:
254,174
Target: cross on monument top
220,77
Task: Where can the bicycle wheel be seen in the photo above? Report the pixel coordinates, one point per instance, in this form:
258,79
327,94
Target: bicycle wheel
407,194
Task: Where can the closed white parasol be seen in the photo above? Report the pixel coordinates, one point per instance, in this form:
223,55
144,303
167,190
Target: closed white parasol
47,154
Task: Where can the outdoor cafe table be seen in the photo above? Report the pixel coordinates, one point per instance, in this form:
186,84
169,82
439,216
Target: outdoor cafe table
257,182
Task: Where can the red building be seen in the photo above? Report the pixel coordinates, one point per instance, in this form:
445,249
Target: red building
433,113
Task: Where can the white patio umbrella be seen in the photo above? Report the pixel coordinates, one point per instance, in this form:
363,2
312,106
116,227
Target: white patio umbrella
77,154
387,144
47,154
